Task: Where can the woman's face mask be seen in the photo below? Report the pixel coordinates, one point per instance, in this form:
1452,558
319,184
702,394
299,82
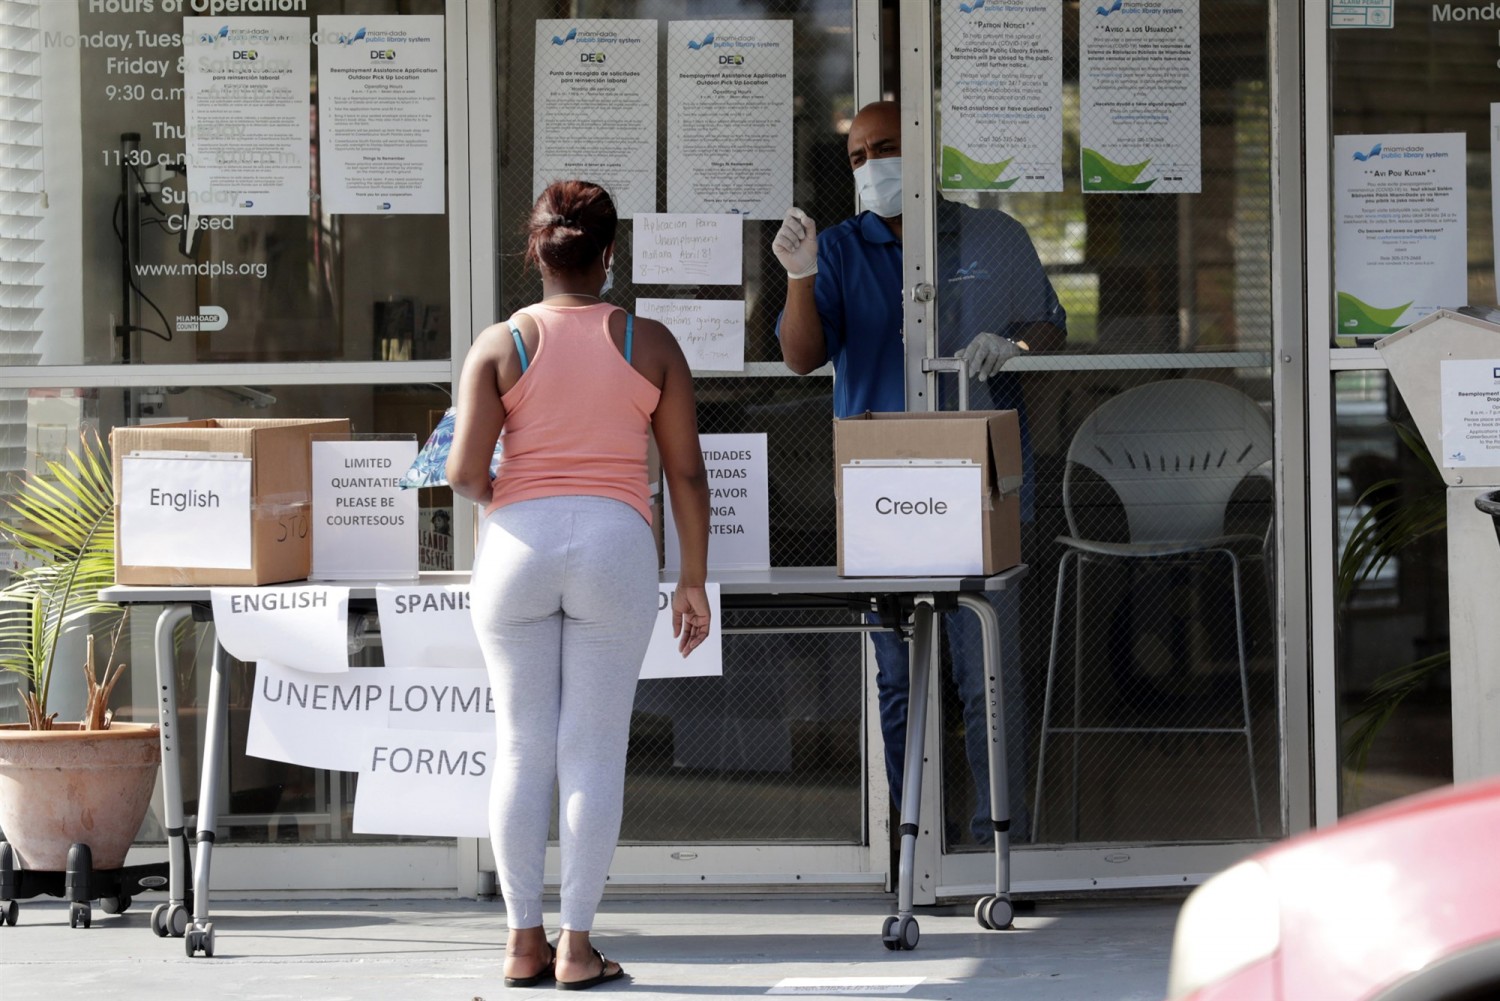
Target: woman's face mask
879,185
609,276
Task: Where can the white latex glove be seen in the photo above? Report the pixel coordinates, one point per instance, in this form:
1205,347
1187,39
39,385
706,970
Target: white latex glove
987,354
796,244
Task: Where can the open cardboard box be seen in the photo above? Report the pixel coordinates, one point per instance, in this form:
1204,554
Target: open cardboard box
278,508
987,439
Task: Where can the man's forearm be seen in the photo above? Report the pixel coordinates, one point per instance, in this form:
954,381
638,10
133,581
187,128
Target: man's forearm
802,345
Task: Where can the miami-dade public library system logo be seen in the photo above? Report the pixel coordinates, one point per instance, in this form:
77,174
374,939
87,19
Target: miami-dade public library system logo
1362,156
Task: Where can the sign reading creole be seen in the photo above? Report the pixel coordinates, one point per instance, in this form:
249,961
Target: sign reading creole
181,511
912,518
302,627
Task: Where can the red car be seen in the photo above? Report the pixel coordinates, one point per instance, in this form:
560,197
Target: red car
1398,903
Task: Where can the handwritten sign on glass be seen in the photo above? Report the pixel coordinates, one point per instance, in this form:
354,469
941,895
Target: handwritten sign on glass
688,249
711,331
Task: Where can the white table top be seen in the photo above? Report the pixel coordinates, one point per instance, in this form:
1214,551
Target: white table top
777,580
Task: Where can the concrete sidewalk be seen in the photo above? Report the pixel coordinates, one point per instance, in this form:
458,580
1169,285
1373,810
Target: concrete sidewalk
681,947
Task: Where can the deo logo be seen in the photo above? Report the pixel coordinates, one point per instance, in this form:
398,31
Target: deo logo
382,53
731,60
591,57
244,54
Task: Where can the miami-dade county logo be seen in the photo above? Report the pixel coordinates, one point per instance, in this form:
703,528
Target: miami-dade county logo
212,38
972,273
564,40
1362,156
708,41
1111,9
351,39
206,319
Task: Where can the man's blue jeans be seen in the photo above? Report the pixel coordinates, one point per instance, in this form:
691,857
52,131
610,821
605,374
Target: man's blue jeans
965,643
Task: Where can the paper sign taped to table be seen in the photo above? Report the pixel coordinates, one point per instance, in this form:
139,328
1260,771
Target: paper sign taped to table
427,625
185,512
912,519
425,783
302,627
322,720
662,658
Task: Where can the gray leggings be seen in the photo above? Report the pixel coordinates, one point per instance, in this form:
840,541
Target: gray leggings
564,597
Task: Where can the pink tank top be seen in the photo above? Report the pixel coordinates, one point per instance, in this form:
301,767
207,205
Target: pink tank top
576,421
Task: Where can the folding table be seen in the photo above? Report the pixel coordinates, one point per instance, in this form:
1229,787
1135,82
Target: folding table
907,603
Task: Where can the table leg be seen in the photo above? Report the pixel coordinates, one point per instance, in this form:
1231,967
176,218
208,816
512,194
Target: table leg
994,911
200,937
171,918
900,931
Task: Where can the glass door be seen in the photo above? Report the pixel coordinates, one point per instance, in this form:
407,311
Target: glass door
1088,216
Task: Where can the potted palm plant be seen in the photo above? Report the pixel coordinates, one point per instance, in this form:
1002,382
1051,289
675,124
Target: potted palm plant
65,784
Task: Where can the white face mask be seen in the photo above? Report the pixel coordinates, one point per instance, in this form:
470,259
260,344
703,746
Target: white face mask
879,185
609,276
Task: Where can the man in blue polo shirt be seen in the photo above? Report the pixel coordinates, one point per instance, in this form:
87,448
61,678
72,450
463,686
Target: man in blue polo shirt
843,304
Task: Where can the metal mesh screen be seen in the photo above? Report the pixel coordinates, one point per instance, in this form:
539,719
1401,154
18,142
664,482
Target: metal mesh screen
1132,146
770,751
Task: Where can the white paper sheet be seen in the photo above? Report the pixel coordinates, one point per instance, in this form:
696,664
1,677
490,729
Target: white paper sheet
247,109
1471,412
1139,96
428,626
381,113
729,117
304,627
594,113
1401,224
191,512
426,783
662,658
364,524
1002,117
672,249
710,331
912,519
321,720
739,533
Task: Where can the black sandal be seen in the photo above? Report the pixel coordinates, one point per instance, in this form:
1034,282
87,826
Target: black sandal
604,976
539,977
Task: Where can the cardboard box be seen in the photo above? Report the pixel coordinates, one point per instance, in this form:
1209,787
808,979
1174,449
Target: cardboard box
921,482
218,520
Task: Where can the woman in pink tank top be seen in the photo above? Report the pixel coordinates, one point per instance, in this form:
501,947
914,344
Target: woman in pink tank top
564,591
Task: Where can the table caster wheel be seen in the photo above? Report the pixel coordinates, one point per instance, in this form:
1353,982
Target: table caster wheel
177,920
907,933
9,910
115,905
888,934
994,913
190,944
207,940
159,921
80,914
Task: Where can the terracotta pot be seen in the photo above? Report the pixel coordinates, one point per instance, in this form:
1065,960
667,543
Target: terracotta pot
66,786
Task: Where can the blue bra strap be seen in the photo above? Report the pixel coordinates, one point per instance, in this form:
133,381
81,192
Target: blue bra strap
515,333
629,331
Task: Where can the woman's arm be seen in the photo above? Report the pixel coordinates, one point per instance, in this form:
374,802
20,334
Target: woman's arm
675,426
481,415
